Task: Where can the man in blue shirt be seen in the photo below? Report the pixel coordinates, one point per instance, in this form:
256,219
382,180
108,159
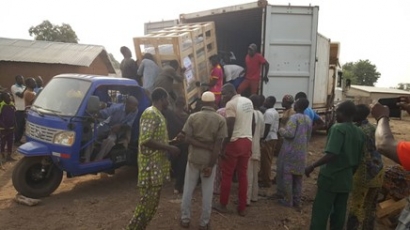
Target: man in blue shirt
118,120
318,123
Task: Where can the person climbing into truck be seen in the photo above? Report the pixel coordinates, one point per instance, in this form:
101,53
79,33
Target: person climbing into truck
216,79
254,61
149,70
128,66
166,79
119,119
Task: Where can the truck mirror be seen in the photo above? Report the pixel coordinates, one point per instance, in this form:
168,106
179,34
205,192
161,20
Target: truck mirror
93,105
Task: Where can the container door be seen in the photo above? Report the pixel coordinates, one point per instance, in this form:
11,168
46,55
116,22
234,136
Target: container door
322,80
290,49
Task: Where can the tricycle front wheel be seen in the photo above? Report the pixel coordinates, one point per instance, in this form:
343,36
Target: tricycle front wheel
36,177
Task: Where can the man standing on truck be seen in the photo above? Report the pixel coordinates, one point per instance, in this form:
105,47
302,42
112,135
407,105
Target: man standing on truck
217,78
129,66
254,61
153,165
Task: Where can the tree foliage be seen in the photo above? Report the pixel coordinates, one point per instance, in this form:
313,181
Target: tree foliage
46,31
114,61
404,86
362,72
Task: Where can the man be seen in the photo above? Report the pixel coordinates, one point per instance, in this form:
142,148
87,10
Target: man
217,78
238,146
167,78
118,121
39,85
129,66
318,123
29,94
270,138
149,70
343,153
18,94
153,164
175,122
204,131
398,151
254,61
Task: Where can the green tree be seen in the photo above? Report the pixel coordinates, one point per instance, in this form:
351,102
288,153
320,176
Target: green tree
362,72
46,31
404,86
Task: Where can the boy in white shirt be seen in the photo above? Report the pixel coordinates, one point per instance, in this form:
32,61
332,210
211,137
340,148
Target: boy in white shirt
270,137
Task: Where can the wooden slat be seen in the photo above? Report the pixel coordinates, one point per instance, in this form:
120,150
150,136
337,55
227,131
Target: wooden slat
393,207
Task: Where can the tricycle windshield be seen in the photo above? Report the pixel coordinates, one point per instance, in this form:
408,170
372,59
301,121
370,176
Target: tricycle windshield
62,96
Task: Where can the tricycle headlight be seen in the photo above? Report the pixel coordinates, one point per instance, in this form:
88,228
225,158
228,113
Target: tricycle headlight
64,138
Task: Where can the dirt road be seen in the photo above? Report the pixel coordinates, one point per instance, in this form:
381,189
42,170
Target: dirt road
92,202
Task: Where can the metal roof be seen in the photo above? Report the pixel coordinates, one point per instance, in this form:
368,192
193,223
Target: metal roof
371,89
20,50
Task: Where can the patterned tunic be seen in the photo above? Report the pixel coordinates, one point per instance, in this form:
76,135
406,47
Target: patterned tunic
370,172
154,166
296,136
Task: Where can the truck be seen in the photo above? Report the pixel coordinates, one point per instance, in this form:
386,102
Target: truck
287,36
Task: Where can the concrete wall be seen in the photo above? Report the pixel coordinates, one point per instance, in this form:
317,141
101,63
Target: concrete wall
8,70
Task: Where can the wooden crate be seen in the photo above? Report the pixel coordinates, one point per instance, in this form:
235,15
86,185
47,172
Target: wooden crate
196,41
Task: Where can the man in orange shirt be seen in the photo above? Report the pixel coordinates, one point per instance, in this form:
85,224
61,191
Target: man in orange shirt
398,151
254,62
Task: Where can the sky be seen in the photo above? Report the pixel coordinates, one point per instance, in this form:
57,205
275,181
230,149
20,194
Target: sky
377,30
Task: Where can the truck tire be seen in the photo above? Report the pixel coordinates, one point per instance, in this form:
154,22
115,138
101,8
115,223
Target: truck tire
29,181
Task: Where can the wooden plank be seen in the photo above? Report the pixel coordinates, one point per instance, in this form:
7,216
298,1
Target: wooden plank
386,203
399,205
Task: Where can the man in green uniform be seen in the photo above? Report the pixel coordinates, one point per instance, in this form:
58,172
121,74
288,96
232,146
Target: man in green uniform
343,153
153,164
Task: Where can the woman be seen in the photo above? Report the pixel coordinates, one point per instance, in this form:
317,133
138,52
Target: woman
368,179
296,136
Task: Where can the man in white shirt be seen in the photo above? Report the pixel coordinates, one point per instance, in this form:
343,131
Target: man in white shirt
271,118
233,72
238,146
18,94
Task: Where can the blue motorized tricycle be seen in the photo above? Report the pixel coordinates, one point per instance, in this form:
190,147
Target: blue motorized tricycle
61,129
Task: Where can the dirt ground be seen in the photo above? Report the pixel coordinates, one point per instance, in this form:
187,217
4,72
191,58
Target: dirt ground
92,202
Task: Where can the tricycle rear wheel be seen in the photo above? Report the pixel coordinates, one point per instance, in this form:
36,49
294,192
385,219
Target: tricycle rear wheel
35,179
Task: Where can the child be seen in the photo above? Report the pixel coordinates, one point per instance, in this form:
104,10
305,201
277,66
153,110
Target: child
7,123
254,162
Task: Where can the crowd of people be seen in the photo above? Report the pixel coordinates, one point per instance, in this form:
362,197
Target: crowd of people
13,105
235,138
